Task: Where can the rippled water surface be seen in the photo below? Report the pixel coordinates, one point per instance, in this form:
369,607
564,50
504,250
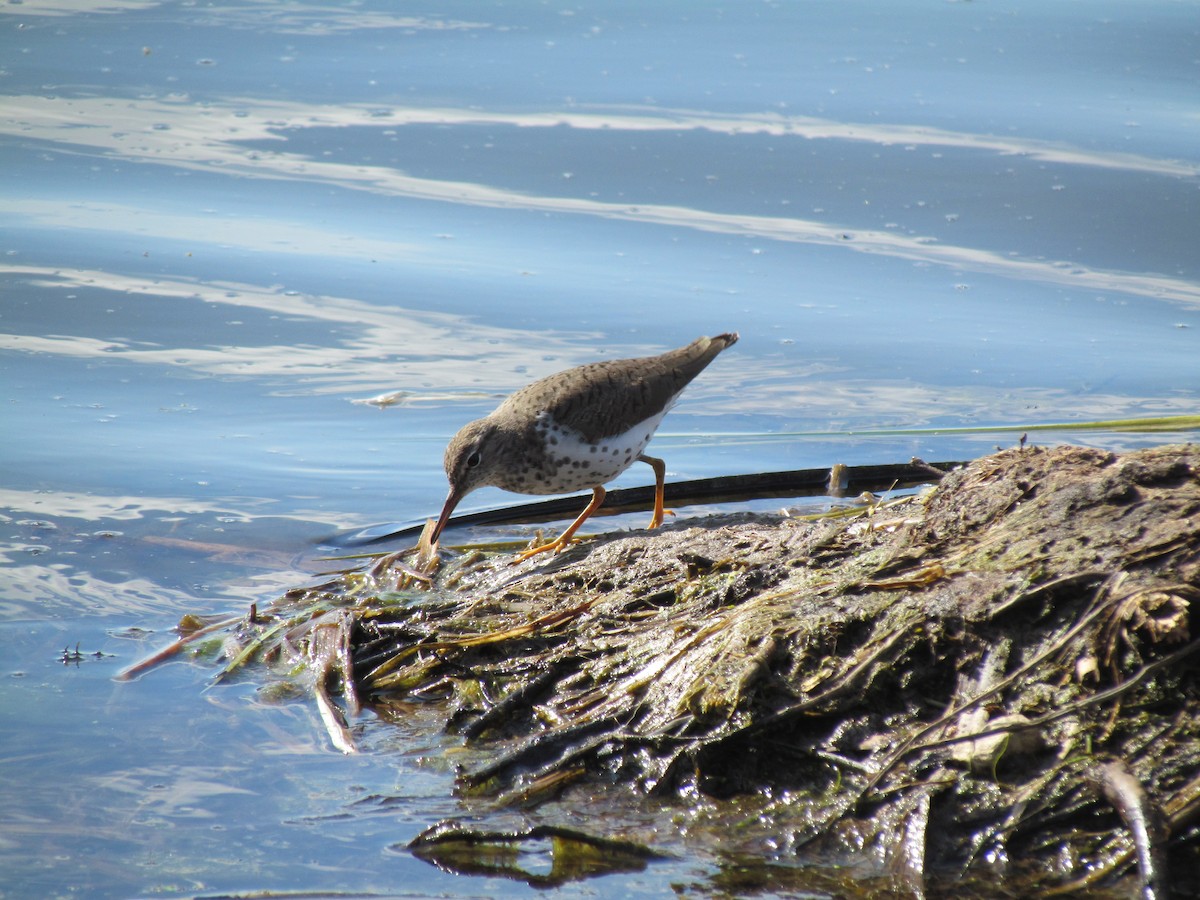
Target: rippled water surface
227,226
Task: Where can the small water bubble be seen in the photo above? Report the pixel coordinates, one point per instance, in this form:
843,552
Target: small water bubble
40,524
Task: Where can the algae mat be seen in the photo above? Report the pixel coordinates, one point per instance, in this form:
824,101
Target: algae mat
995,680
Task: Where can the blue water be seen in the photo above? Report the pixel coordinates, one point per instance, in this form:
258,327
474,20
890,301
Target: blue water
224,228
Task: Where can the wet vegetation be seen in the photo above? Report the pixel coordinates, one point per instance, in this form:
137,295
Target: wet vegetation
991,684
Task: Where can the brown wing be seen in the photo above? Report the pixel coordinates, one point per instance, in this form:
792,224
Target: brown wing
606,398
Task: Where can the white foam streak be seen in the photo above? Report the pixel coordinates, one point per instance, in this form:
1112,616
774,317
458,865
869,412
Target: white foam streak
181,134
389,345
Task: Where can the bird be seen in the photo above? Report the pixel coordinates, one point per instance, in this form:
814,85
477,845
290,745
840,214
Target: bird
575,429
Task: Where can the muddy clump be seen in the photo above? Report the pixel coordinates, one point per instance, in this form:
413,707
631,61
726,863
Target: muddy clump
996,679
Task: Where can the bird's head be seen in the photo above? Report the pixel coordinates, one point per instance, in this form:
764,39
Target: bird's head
470,463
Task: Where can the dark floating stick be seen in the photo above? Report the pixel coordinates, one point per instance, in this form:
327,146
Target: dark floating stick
849,481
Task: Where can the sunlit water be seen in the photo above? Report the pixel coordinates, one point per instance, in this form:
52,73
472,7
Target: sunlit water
227,226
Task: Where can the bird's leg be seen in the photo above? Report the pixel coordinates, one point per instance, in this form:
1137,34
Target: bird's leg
564,540
660,475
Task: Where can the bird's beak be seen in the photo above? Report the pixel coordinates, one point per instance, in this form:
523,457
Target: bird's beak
451,501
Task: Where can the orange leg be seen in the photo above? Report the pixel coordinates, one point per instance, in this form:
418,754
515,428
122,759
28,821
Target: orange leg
564,540
660,476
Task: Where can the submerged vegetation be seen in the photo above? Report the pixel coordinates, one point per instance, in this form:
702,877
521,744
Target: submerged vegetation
996,679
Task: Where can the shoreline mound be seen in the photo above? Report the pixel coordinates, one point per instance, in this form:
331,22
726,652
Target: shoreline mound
996,680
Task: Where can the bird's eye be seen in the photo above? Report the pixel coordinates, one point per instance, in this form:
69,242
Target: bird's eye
473,460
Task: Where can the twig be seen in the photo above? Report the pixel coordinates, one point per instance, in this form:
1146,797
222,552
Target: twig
173,649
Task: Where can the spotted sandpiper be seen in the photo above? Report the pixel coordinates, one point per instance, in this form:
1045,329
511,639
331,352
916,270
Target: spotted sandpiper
577,429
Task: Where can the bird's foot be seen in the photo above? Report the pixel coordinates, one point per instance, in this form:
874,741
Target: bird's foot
659,516
560,543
